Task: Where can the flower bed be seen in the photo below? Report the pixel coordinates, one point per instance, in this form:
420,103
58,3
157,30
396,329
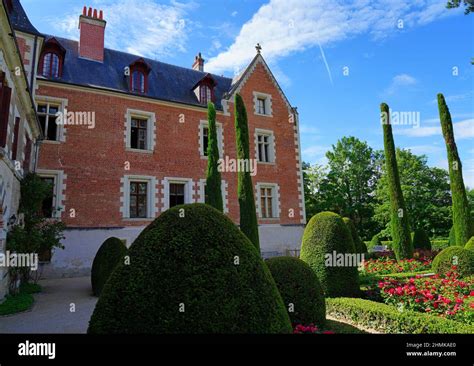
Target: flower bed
449,297
389,319
386,265
309,329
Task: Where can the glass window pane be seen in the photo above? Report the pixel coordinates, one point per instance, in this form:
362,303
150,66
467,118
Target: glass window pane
42,108
52,129
53,110
142,188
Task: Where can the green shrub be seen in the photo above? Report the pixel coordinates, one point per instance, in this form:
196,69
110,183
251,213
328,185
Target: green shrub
358,243
457,256
300,289
421,239
439,244
388,319
470,244
110,254
325,235
191,271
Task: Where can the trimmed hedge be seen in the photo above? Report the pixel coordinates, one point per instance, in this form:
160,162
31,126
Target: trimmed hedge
437,244
457,256
300,289
452,234
388,319
110,254
421,239
359,245
191,271
326,234
470,244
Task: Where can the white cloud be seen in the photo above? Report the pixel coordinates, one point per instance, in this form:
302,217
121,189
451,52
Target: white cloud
142,27
234,13
287,26
425,149
462,130
398,82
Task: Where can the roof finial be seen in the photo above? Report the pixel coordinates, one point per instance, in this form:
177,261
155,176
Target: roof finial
258,48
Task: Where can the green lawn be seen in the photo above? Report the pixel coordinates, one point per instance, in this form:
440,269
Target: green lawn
22,301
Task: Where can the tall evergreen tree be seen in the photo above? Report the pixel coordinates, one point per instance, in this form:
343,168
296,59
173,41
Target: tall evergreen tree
461,212
402,243
213,180
248,215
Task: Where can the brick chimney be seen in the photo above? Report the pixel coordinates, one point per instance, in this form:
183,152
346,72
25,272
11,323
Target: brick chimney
198,63
92,30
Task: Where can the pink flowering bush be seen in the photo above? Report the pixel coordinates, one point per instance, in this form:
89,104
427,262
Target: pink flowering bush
448,297
308,329
386,265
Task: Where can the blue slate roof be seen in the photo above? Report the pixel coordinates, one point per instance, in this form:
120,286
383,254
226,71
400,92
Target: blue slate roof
20,21
165,82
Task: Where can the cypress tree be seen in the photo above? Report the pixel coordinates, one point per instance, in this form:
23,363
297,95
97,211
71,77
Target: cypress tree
401,236
248,215
461,214
213,180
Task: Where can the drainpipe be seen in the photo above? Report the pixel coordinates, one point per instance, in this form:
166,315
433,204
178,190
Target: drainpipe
33,66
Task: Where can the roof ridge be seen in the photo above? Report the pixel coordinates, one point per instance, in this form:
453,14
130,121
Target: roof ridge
204,73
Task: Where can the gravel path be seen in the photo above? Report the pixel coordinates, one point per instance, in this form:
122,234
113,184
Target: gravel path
51,312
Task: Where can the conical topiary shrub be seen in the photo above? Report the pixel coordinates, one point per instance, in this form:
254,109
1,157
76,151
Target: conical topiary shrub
452,234
421,239
110,254
191,271
325,237
300,289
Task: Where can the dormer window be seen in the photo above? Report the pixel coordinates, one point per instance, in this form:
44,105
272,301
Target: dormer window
139,71
52,58
205,94
138,82
204,89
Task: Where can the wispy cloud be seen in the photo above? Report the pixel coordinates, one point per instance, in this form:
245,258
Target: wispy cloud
287,26
142,27
462,130
399,81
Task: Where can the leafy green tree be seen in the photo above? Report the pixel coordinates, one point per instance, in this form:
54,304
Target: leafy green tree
213,181
461,211
248,214
37,234
313,176
426,193
349,184
469,4
401,236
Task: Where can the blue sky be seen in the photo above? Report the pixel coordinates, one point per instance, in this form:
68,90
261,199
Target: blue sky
335,60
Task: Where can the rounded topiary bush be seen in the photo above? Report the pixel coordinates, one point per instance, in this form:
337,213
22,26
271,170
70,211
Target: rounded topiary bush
421,239
300,289
457,256
326,239
470,244
110,254
191,271
359,245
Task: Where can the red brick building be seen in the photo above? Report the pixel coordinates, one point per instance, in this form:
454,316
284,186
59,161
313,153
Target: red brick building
132,137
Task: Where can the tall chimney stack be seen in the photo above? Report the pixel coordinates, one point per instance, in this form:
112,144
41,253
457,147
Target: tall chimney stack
198,63
92,31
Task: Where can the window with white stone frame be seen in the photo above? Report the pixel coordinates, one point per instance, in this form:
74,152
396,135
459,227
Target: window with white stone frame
140,131
202,193
204,138
262,104
139,197
48,110
265,146
268,201
52,206
177,191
